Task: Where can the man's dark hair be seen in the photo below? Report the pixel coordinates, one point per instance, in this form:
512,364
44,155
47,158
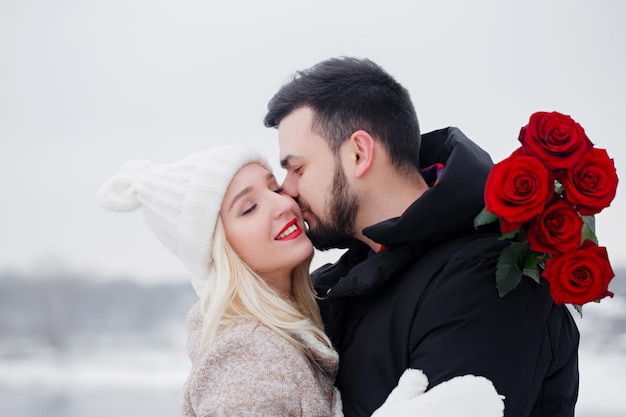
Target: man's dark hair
349,94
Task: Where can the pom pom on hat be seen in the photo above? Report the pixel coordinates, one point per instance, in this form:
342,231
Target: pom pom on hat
181,200
118,193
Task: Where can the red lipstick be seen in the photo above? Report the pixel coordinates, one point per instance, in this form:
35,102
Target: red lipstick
293,233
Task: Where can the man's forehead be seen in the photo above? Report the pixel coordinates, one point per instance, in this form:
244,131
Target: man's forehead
293,147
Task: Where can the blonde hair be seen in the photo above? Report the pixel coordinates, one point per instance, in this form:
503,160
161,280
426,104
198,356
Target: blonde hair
233,292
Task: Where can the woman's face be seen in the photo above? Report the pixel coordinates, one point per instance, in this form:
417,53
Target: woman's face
264,226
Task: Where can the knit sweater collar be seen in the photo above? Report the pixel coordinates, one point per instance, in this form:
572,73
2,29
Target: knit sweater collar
324,356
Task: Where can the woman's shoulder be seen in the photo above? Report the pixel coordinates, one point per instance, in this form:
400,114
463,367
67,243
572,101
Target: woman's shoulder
248,350
244,338
251,370
247,336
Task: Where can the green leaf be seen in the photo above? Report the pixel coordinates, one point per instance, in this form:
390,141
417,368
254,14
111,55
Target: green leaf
558,187
484,217
589,229
509,235
532,259
590,221
578,308
533,273
508,275
588,234
530,266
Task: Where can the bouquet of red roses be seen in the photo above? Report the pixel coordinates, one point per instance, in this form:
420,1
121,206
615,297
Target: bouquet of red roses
546,195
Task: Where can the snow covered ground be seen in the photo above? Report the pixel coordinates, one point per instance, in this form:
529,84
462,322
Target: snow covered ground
602,357
138,381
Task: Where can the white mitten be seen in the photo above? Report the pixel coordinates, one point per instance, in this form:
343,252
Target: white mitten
467,396
412,383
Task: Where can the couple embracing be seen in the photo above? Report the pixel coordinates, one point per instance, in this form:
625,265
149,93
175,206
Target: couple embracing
408,322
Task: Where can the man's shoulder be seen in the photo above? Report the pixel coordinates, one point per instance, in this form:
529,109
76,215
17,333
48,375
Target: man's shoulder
463,247
464,264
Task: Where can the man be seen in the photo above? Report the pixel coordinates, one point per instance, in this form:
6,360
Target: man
416,288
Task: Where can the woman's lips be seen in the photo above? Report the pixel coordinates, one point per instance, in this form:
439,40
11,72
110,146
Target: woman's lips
290,231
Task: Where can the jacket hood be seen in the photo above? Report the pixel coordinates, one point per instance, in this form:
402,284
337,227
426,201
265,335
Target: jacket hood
449,206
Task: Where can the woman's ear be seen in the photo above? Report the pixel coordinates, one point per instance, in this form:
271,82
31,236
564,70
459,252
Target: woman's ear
362,149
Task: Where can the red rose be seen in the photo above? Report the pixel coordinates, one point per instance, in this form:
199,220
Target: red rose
517,190
557,230
556,139
580,276
591,183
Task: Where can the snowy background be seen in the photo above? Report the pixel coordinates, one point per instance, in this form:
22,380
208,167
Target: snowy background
92,307
72,347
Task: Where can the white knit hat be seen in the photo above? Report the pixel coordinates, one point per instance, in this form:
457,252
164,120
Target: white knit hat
181,200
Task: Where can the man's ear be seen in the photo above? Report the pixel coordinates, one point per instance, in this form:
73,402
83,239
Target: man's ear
362,149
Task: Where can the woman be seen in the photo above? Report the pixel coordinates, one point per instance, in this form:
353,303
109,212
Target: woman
255,337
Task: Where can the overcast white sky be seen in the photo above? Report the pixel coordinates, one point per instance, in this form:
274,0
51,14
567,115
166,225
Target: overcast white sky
88,85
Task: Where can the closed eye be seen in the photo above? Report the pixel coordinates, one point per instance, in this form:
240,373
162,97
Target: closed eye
249,210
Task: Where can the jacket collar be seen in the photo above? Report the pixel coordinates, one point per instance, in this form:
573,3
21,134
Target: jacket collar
441,212
452,204
342,280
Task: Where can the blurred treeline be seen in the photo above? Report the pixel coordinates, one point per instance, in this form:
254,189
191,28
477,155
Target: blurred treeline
70,311
67,311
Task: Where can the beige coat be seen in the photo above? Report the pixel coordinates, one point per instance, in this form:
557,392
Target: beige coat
249,370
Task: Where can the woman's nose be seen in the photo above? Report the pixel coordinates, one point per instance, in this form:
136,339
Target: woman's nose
285,204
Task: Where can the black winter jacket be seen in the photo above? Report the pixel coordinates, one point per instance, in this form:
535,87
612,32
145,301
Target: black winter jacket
429,301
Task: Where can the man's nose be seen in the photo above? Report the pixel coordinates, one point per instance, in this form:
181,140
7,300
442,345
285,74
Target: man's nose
290,187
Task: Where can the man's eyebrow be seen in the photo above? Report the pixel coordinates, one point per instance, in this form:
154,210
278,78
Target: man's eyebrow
286,161
238,196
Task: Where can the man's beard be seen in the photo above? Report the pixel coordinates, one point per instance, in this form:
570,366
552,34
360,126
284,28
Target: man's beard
337,230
